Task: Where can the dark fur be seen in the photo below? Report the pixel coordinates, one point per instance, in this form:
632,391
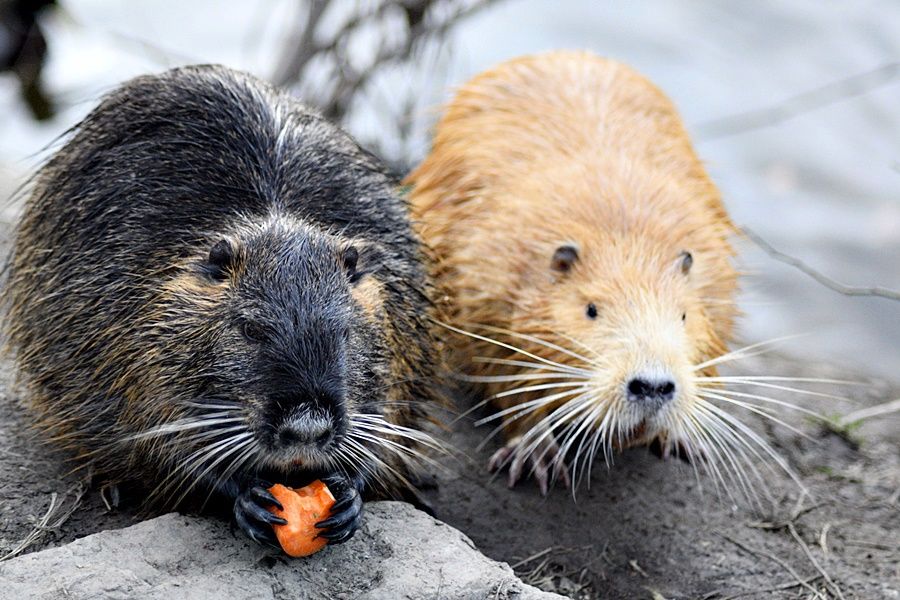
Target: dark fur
119,314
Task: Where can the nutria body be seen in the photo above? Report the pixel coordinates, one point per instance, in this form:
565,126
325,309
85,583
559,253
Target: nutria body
575,229
212,287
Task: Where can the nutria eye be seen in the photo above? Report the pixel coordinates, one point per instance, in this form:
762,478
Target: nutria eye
683,317
253,332
592,311
687,261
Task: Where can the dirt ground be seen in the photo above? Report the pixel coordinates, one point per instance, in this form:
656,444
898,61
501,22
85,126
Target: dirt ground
642,530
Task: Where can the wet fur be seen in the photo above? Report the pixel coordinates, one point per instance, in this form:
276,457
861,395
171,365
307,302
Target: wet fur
114,322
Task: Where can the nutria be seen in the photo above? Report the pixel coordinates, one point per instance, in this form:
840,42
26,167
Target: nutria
583,254
213,288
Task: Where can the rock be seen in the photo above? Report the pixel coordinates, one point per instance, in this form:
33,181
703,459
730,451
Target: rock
398,553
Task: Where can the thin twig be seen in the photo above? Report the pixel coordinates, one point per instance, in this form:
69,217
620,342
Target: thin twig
814,562
825,95
774,588
823,539
775,559
44,525
869,412
847,290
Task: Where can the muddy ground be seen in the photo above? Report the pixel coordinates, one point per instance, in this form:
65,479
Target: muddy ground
642,530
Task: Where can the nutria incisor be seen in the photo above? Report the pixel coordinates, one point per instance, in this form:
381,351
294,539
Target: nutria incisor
583,254
212,287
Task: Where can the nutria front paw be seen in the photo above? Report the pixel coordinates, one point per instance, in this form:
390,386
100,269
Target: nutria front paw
253,517
544,459
346,514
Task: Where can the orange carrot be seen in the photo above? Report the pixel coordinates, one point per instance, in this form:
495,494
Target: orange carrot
303,508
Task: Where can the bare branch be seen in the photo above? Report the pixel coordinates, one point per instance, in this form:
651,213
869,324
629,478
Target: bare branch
831,93
869,412
847,290
301,47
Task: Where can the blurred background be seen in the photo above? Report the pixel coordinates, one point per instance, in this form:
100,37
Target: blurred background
795,107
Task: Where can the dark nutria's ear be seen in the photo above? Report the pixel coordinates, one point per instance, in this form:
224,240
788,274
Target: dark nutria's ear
350,258
687,261
220,259
564,257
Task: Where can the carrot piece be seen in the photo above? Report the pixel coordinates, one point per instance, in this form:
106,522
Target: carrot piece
303,508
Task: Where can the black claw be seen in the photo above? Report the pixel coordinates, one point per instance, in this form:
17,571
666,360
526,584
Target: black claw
253,518
263,494
346,514
341,515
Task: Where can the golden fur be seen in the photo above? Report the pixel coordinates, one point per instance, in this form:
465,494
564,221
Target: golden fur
570,148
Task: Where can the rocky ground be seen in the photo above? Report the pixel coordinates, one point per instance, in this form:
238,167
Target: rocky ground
642,530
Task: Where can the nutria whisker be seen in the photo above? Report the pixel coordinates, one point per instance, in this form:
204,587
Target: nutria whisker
584,438
711,439
184,470
529,406
789,405
379,424
373,467
204,406
527,365
223,453
562,416
404,453
739,354
184,425
513,348
748,434
537,340
521,411
686,432
717,442
773,386
538,387
569,338
543,427
759,410
752,378
518,377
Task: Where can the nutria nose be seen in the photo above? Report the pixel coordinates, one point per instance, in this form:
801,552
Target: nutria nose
647,390
310,431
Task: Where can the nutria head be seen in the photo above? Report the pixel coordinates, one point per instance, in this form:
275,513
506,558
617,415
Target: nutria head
275,323
629,302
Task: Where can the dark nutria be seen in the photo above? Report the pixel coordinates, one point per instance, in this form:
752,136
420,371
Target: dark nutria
212,287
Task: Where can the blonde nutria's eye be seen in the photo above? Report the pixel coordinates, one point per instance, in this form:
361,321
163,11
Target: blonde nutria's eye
591,311
683,317
563,258
687,261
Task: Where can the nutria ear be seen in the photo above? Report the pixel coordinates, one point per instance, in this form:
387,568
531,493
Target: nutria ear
349,258
687,261
221,257
564,257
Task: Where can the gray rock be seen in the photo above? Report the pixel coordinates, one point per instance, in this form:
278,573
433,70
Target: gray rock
398,553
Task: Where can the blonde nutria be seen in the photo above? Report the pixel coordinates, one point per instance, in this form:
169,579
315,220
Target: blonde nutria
212,289
583,253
